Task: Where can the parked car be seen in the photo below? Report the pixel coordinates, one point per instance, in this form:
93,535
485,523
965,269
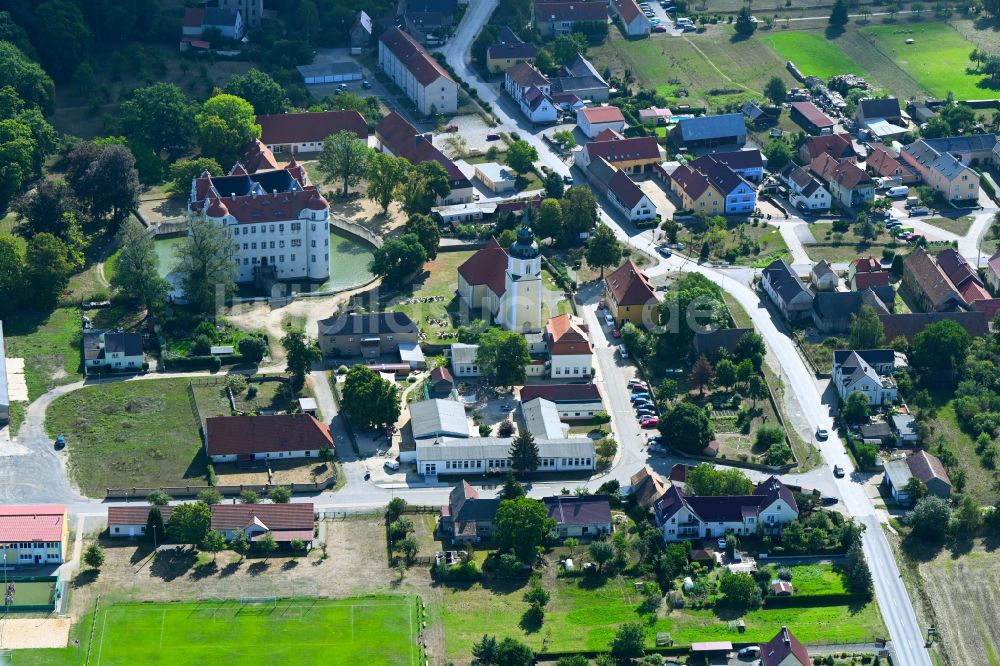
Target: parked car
919,210
838,471
659,28
749,652
822,434
664,251
622,351
366,84
829,501
602,304
644,404
721,543
655,440
638,388
615,333
650,422
568,180
608,319
636,397
645,414
493,136
60,442
637,383
391,465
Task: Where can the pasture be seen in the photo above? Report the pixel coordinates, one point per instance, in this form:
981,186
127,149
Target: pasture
812,53
937,60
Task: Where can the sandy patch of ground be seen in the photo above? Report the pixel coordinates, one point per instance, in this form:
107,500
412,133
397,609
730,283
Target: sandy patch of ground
43,632
17,388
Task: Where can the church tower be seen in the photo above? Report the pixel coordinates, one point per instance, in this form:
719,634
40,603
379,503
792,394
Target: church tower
521,305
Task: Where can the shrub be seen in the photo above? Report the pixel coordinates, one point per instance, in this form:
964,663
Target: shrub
784,573
216,364
202,345
252,391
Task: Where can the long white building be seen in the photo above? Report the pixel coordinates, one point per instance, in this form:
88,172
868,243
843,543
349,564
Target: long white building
491,455
277,219
420,76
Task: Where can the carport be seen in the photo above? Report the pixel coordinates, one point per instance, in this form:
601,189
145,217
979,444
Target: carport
714,652
330,72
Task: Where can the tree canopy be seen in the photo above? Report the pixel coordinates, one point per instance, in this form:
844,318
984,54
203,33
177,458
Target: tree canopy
398,259
160,116
603,249
205,266
136,275
226,123
344,158
687,427
704,479
941,346
369,400
502,356
265,95
522,525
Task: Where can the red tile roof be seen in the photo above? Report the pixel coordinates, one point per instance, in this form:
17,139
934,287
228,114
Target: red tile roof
864,280
882,163
257,157
867,264
193,17
608,134
812,114
299,516
927,467
629,286
561,393
32,523
568,335
403,140
847,174
525,74
625,150
414,57
227,435
838,145
603,114
487,266
571,11
134,514
305,127
973,291
441,373
693,183
989,307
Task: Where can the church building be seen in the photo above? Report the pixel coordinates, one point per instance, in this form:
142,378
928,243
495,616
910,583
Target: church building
506,283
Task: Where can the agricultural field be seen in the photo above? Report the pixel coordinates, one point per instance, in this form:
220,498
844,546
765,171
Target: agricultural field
377,630
143,431
705,68
937,60
812,53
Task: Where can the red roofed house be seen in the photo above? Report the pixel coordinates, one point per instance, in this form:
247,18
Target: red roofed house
442,382
593,120
633,155
570,351
243,439
413,69
33,534
278,221
882,163
284,522
305,132
784,650
395,136
230,23
558,18
632,19
505,284
866,272
838,146
532,91
130,520
630,296
849,185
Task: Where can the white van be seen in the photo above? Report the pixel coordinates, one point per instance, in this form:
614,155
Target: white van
391,465
897,192
622,351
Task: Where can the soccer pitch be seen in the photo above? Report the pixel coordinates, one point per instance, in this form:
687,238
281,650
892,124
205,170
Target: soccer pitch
375,630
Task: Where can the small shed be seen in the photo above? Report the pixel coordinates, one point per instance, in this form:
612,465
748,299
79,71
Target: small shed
714,652
222,350
876,433
442,382
782,588
701,555
308,406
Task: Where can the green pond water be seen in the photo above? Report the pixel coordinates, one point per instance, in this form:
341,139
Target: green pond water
349,259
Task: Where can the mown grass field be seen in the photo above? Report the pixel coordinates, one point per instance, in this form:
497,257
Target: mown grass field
376,630
50,347
704,68
133,433
937,59
812,53
817,580
584,614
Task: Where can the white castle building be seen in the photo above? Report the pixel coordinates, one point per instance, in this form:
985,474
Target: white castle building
279,222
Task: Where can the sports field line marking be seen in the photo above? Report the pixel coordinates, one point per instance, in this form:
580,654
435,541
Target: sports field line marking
163,623
104,626
352,624
412,640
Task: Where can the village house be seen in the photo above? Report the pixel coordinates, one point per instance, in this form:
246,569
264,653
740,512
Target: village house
246,439
371,335
429,21
633,21
872,110
33,534
993,272
553,19
361,32
805,191
695,191
866,371
505,283
115,352
467,518
747,163
229,23
928,284
579,79
629,198
838,146
305,132
884,164
570,352
586,516
738,195
633,155
395,136
921,465
784,650
252,11
833,310
786,290
961,274
647,486
849,185
284,522
498,178
463,360
574,401
655,116
710,131
630,297
866,272
509,50
541,419
905,428
683,517
417,73
943,164
277,219
823,277
593,120
130,520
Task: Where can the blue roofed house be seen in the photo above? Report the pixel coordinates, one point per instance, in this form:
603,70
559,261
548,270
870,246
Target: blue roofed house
747,163
728,128
739,195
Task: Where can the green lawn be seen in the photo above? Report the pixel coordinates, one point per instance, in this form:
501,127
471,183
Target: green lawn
812,53
582,616
697,68
937,60
818,579
372,630
135,433
213,401
958,225
50,347
439,280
